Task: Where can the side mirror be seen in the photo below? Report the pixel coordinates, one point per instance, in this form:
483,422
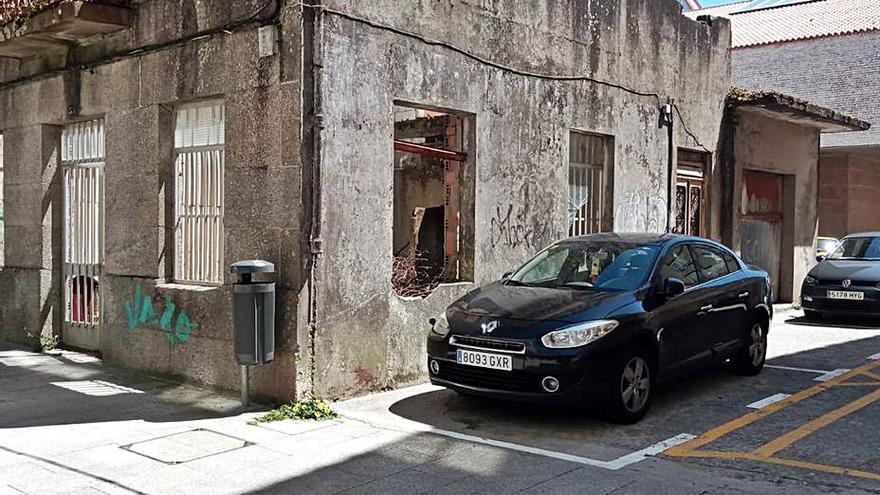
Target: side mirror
820,258
506,275
672,287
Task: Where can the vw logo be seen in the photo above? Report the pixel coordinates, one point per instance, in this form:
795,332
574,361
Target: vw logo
489,327
846,283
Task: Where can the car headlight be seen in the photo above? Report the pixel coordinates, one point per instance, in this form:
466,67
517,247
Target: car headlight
440,325
579,334
811,280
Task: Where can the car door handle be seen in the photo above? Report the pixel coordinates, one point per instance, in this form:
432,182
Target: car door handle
743,295
706,308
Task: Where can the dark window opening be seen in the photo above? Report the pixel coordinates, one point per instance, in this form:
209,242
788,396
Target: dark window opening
433,200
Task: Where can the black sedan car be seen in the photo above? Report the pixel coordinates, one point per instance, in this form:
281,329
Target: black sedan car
598,319
847,281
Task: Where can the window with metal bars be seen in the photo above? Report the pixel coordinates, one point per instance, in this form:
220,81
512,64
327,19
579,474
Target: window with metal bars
82,165
589,183
199,151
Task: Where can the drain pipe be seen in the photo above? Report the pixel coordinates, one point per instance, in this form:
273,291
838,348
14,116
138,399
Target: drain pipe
313,107
667,120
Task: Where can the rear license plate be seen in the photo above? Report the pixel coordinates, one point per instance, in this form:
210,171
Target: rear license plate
484,360
845,294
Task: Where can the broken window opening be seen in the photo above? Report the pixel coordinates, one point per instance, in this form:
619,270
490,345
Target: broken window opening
433,200
590,183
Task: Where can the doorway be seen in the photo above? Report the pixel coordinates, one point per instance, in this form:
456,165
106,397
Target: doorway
761,223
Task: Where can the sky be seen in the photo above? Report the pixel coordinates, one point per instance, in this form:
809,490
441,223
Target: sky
712,3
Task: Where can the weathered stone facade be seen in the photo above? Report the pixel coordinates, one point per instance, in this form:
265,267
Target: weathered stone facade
341,329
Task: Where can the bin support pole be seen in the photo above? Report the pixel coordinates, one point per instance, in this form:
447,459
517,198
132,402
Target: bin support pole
245,385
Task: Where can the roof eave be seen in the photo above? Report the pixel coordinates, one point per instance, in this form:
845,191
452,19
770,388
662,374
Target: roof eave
800,111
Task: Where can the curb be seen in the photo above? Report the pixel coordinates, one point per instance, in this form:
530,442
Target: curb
785,307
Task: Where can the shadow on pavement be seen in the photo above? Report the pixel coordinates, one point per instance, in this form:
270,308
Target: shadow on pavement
73,388
850,322
692,404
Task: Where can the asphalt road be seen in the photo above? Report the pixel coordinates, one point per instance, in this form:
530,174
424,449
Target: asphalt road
809,422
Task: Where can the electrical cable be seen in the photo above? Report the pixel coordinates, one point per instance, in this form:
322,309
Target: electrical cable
687,129
506,68
479,59
155,47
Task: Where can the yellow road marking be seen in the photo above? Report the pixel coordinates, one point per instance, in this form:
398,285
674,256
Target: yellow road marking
748,456
765,452
747,419
810,427
872,375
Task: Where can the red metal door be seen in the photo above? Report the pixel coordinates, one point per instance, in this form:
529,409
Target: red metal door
761,222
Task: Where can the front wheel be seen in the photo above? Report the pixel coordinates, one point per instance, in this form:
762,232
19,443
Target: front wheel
750,359
629,389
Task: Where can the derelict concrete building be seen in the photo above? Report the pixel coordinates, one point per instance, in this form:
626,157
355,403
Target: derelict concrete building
386,156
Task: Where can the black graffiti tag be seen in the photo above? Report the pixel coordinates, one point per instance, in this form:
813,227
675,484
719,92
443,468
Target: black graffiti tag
512,230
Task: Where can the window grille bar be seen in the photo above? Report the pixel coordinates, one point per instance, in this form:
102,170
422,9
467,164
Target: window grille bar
82,151
199,203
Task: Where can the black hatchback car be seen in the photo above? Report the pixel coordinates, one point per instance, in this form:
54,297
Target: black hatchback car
597,319
847,281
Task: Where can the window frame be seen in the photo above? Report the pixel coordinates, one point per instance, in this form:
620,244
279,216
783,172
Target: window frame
658,276
719,252
215,245
605,222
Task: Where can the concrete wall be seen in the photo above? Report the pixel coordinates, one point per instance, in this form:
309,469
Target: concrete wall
136,96
849,182
366,336
792,150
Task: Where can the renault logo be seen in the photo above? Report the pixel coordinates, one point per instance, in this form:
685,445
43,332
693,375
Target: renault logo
489,327
846,283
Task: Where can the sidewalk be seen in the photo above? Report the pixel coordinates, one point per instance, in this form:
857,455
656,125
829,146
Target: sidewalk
69,424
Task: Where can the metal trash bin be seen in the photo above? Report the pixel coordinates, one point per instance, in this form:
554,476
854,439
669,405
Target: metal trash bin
253,312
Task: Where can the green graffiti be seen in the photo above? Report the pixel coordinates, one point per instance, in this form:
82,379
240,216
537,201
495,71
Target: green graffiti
140,311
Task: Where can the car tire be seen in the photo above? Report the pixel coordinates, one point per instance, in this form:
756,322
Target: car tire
630,387
812,315
750,359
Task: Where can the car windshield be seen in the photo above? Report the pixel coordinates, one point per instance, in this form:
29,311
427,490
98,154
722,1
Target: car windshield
590,265
825,245
857,248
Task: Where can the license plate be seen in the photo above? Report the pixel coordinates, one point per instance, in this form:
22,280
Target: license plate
846,294
484,360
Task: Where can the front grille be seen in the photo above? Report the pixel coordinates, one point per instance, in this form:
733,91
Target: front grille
837,284
515,381
506,346
868,305
511,381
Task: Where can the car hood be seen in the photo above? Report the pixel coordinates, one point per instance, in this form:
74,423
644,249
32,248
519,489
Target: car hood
847,269
521,311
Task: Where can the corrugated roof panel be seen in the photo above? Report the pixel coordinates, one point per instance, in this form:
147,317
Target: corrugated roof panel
770,4
801,21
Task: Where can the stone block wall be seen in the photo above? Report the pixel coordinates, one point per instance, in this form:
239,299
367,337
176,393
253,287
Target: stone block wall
137,97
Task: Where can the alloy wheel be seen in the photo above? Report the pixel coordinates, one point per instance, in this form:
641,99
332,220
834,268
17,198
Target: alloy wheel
757,347
635,384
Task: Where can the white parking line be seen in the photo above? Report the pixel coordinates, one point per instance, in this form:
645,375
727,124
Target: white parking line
831,374
613,465
790,368
767,401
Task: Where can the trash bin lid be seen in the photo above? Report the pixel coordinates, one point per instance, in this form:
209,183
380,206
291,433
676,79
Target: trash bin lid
252,266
